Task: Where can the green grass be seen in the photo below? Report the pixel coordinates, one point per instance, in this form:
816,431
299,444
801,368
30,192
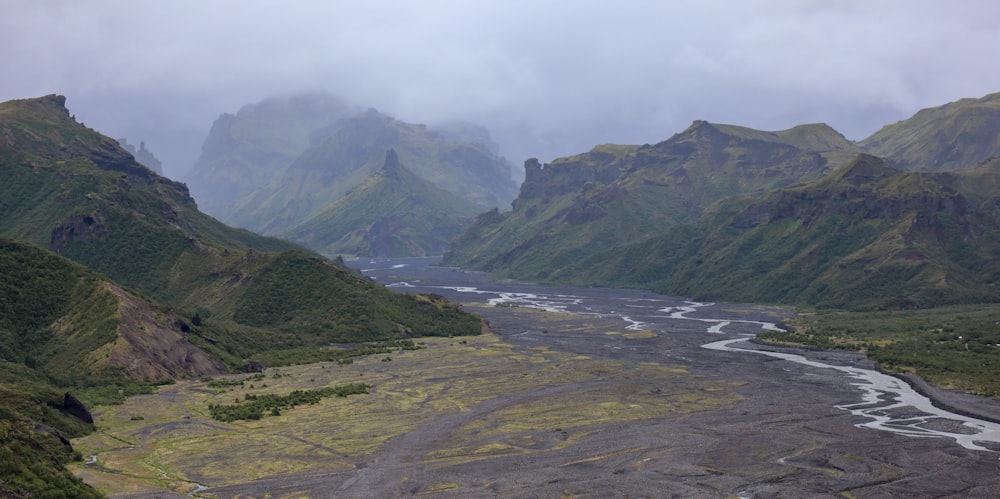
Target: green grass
954,347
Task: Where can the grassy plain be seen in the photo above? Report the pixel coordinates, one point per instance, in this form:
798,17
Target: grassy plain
486,398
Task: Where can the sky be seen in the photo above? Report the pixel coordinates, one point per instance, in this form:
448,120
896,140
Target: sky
548,78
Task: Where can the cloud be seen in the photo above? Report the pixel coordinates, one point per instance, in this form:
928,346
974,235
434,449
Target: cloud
569,74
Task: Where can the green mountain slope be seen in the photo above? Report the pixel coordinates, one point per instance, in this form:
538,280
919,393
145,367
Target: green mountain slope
158,290
64,328
392,213
71,324
576,207
864,237
68,188
246,150
945,138
354,150
34,438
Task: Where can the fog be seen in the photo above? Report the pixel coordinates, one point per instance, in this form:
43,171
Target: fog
548,78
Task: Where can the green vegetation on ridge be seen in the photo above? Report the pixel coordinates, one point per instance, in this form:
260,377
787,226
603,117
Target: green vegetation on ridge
615,196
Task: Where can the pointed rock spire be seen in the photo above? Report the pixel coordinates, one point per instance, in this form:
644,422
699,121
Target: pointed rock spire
391,166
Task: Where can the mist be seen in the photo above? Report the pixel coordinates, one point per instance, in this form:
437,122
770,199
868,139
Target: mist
547,78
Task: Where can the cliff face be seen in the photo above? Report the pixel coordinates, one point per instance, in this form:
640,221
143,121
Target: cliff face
247,150
864,237
353,151
620,194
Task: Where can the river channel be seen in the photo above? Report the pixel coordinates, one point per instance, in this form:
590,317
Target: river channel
791,394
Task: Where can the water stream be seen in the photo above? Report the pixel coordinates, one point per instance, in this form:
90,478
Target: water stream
885,402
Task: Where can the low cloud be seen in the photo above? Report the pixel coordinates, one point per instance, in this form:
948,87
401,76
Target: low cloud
551,77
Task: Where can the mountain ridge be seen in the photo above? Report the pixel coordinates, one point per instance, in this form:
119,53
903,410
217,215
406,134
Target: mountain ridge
354,150
579,213
393,212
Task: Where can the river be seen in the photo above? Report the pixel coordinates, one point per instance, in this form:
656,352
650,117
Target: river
881,402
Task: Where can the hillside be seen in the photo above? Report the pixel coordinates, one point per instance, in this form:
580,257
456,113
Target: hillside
67,188
353,151
616,195
864,237
66,328
956,135
392,213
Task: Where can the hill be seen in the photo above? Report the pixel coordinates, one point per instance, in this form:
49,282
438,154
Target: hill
617,195
355,149
66,328
956,135
392,213
865,237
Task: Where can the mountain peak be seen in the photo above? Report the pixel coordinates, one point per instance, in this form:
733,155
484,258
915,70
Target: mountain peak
949,137
54,100
864,168
52,104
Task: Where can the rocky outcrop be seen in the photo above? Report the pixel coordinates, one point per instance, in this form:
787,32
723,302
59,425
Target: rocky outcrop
90,227
72,406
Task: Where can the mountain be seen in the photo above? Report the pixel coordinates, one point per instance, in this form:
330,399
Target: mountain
247,150
113,279
142,156
70,189
864,237
354,150
67,188
392,213
950,137
616,195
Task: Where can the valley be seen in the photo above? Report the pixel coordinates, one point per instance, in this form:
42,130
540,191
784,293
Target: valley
579,392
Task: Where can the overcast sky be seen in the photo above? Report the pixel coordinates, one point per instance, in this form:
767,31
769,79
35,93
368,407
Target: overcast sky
548,77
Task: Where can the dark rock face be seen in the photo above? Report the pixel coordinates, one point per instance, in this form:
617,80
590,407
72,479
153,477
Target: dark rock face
76,227
72,406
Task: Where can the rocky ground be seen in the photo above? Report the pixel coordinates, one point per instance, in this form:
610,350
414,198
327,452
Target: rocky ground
558,405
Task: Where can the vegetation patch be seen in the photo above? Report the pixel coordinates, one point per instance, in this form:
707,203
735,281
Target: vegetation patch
953,347
255,407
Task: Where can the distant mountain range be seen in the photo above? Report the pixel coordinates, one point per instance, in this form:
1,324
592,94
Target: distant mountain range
249,149
274,166
113,279
798,216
